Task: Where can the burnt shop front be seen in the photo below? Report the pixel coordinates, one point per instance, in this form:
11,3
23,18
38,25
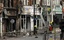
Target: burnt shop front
8,25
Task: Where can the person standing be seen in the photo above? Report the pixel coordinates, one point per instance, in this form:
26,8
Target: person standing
35,31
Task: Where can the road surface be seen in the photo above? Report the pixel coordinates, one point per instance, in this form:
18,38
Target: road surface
40,37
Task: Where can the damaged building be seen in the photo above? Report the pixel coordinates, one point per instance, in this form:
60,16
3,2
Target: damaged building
18,16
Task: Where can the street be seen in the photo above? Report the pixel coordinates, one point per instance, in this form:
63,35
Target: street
40,37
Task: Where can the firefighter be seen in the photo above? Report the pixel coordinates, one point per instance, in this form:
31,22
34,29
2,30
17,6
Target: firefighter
35,31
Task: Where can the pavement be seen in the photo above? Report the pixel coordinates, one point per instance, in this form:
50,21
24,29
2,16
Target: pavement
40,37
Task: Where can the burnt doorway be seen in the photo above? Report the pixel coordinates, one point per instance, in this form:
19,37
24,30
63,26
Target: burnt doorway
11,24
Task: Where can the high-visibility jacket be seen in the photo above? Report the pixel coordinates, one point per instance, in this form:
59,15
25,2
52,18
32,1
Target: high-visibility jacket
35,26
51,22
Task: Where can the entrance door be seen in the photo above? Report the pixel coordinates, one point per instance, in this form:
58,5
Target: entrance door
25,22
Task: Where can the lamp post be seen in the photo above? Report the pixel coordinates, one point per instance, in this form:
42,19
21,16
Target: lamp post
34,11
